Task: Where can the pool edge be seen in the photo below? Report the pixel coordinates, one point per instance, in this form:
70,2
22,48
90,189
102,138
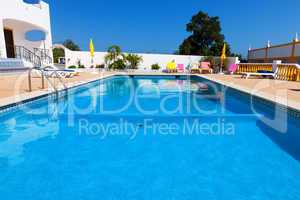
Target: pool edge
28,97
14,101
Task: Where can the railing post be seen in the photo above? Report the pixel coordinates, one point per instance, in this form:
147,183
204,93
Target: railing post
29,80
43,80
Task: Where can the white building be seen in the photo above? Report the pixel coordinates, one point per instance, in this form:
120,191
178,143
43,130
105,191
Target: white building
17,20
287,53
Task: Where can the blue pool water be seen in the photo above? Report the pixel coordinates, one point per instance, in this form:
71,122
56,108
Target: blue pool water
150,138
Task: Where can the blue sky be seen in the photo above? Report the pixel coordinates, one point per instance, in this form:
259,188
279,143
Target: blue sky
159,25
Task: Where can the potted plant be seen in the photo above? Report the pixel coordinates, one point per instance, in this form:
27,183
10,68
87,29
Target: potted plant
155,67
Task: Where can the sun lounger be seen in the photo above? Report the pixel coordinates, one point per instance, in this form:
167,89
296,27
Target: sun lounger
232,68
247,75
180,68
171,67
205,68
66,73
194,68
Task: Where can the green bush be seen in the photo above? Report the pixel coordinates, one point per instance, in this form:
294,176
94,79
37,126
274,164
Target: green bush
72,67
155,67
81,66
133,60
102,66
118,64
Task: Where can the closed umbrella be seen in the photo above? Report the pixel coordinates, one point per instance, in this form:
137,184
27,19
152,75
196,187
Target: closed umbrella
92,51
223,57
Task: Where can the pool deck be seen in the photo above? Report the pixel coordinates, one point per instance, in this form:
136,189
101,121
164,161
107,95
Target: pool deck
14,87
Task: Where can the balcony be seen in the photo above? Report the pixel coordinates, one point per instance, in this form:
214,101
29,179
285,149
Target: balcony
36,3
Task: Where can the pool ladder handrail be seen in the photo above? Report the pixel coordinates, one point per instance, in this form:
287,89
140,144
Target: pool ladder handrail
46,74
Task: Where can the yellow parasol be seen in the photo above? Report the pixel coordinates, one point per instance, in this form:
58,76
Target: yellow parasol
223,57
92,50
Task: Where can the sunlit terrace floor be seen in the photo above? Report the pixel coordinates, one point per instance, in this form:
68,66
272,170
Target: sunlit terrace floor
14,88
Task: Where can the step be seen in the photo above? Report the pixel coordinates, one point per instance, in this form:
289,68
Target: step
12,64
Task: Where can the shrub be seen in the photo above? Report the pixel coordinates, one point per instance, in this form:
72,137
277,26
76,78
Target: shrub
118,64
155,67
81,66
102,66
72,67
114,52
133,60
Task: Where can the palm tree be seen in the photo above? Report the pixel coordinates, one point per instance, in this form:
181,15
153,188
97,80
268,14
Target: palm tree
133,60
113,53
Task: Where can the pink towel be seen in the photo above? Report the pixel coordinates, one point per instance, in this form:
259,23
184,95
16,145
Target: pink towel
233,68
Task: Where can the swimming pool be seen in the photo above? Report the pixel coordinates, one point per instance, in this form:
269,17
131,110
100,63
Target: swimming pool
150,137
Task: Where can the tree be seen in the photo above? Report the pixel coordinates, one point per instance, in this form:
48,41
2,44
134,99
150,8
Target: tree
133,60
57,53
206,38
114,53
71,45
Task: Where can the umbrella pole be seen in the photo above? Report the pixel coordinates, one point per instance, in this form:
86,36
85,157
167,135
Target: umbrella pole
221,67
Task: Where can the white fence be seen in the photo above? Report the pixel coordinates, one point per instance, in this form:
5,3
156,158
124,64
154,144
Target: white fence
73,57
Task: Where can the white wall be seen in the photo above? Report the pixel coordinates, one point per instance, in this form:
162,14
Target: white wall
282,51
72,58
297,50
2,41
23,17
257,54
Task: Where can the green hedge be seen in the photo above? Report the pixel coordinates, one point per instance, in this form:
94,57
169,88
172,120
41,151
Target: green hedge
155,67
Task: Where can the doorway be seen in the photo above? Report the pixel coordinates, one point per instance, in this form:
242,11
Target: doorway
9,43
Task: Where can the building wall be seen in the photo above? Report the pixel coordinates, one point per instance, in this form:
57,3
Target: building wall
257,54
288,53
2,41
297,49
72,58
23,17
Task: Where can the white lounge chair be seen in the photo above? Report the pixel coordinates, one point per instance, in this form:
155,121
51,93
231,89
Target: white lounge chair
194,68
247,75
66,73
